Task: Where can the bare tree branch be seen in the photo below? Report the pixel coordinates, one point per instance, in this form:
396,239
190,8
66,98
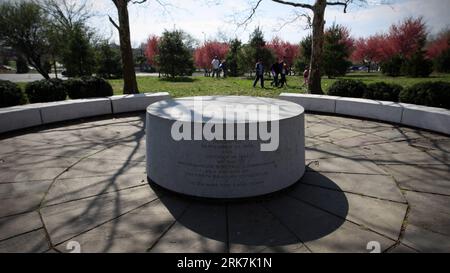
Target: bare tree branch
67,13
296,16
113,23
139,2
297,5
294,4
340,3
251,14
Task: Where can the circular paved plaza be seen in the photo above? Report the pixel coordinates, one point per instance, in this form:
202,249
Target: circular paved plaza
367,184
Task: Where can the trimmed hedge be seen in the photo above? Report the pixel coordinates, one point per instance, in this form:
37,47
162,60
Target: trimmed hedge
434,94
11,94
46,91
88,87
383,91
73,87
347,88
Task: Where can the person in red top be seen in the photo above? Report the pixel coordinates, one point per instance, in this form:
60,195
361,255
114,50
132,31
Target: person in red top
306,76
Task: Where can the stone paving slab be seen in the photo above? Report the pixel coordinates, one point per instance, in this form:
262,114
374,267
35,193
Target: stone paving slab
14,145
406,134
123,153
366,126
335,120
358,141
134,232
294,248
431,179
399,147
100,167
415,158
355,165
22,197
425,240
310,142
69,189
319,129
75,151
183,240
11,175
322,231
23,168
429,211
68,220
31,242
328,150
339,134
382,216
202,228
93,133
18,145
253,225
22,162
442,145
401,248
377,186
15,225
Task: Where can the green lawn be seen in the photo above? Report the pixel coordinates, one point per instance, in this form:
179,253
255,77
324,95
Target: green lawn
196,86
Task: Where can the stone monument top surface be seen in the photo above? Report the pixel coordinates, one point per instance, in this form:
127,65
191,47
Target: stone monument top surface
225,109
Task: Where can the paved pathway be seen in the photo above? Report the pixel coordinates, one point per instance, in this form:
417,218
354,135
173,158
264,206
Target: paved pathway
28,77
86,182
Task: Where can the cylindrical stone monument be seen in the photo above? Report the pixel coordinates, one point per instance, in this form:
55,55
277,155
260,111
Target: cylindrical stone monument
225,146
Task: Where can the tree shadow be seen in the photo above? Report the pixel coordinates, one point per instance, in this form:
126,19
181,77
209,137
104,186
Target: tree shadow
290,216
93,209
357,76
178,79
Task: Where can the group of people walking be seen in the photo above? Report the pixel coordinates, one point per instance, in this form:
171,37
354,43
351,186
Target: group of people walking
218,67
278,71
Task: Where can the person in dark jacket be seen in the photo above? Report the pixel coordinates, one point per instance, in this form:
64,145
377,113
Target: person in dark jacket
224,68
284,70
259,67
275,69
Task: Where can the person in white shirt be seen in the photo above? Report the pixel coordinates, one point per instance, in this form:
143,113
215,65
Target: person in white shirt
215,67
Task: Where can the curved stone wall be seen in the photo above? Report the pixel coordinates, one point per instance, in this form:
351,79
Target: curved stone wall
423,117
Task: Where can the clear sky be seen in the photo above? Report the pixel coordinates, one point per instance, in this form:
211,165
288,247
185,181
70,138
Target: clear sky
205,19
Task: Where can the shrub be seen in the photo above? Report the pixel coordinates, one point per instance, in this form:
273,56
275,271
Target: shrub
175,57
442,62
74,87
109,62
434,94
88,87
393,66
46,90
417,66
348,88
383,91
10,94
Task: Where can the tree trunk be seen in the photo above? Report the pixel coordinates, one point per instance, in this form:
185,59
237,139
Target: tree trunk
36,63
129,76
54,67
314,83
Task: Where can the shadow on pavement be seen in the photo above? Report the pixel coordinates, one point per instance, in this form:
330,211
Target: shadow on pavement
290,216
